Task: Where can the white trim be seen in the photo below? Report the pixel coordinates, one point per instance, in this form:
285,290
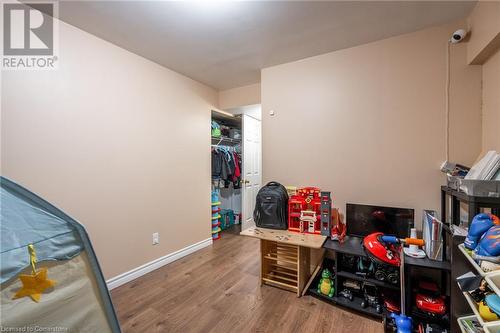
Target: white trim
155,264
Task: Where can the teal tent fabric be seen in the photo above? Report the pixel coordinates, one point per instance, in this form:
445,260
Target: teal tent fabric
26,218
23,224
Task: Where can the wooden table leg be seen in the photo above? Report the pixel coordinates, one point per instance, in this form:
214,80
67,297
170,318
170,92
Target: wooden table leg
262,261
316,267
304,268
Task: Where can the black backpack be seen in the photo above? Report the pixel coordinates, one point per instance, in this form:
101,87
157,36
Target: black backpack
271,207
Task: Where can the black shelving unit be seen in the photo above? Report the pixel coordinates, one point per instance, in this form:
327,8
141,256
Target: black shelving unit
353,246
355,304
474,203
460,265
359,278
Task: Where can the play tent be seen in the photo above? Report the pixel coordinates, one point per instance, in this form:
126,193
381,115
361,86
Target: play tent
79,300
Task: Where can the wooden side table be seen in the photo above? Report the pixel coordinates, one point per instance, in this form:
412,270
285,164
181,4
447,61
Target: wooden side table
288,260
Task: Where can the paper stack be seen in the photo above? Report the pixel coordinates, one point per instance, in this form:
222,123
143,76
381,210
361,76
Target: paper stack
488,168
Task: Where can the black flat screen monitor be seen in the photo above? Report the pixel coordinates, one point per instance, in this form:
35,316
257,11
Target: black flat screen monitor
363,220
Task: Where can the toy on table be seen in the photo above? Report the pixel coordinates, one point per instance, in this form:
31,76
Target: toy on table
291,190
338,229
306,200
307,221
326,213
325,285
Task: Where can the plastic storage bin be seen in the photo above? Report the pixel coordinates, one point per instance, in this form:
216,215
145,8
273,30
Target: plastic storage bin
481,188
453,182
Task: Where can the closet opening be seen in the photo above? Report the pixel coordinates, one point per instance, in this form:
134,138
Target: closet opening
236,168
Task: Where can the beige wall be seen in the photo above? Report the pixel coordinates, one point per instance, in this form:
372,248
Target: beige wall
368,122
491,103
484,30
117,142
241,96
483,48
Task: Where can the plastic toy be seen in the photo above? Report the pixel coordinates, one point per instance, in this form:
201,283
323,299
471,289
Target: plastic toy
352,284
403,323
382,249
215,215
386,273
308,220
391,303
480,224
429,300
339,228
489,245
371,297
493,302
486,313
346,293
349,263
326,213
480,293
325,285
306,199
379,251
291,190
391,306
488,266
365,267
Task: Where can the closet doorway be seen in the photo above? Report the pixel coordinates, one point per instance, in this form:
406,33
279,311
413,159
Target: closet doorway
236,168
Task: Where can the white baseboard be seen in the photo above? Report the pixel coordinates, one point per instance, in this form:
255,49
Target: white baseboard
155,264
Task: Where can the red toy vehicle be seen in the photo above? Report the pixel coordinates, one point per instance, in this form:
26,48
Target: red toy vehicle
429,300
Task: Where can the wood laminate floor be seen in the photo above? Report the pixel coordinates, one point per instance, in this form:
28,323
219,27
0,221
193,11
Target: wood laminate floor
217,290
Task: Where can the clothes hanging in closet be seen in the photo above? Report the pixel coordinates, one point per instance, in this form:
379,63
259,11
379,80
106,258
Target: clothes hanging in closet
226,167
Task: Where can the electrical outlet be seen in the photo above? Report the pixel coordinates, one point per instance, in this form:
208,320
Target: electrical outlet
156,238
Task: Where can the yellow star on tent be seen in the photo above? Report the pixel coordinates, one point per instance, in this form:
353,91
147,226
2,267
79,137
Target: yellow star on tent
34,285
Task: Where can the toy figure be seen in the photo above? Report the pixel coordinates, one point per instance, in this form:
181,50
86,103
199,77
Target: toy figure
371,297
346,293
325,285
338,226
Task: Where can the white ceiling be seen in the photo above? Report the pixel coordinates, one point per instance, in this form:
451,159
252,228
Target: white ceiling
225,44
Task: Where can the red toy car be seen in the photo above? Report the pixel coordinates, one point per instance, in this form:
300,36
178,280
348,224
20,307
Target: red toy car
429,300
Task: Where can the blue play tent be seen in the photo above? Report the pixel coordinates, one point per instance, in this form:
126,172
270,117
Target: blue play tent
79,301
